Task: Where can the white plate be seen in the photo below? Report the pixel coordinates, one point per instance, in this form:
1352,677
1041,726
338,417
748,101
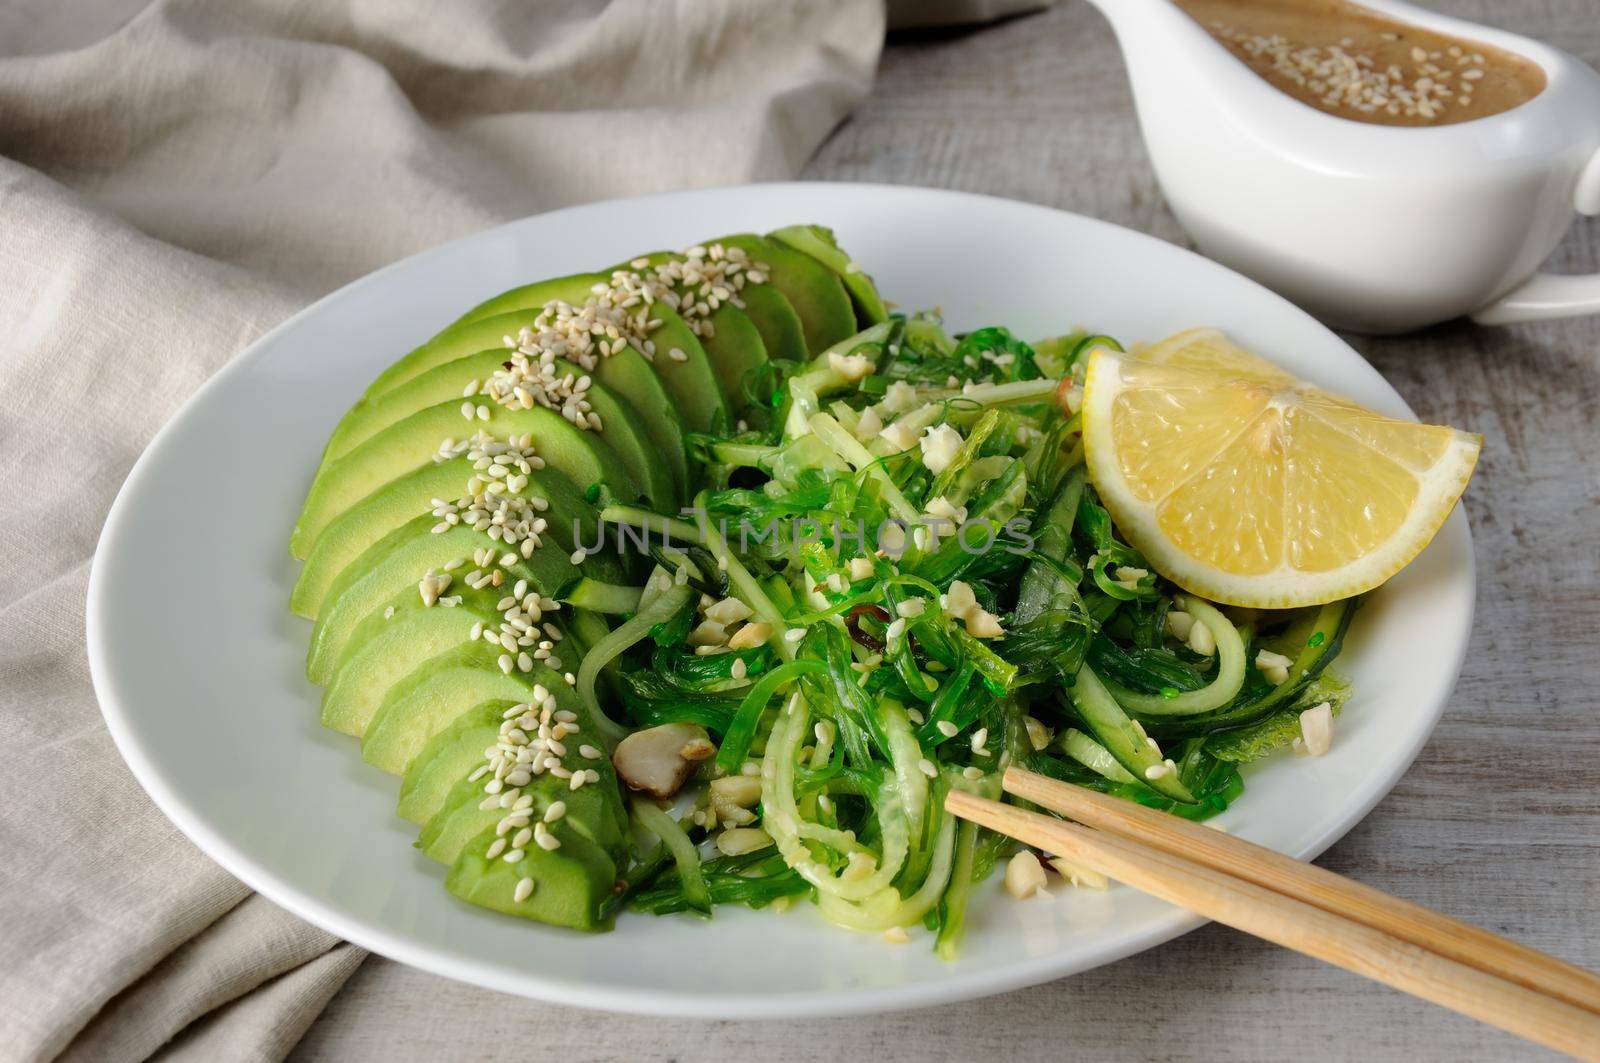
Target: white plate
198,662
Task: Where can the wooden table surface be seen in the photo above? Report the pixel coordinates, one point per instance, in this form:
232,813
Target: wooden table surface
1497,822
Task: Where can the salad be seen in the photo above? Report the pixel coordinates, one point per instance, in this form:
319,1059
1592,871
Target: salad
701,582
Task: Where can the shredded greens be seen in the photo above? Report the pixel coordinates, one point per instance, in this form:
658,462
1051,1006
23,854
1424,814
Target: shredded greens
899,580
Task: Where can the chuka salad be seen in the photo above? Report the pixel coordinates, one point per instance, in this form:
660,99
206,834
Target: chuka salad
701,580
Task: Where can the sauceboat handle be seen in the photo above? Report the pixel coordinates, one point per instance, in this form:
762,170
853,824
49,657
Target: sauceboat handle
1552,295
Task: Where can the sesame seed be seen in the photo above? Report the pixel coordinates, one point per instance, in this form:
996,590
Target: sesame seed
523,891
1339,79
947,728
927,768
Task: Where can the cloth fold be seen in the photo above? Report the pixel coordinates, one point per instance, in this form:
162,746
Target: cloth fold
174,180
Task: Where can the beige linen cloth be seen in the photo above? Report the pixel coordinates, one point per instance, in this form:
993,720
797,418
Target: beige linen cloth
174,180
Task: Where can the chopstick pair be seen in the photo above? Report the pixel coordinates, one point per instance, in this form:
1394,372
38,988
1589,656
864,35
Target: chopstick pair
1305,908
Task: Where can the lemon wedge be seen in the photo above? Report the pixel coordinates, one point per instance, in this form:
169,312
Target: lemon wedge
1246,486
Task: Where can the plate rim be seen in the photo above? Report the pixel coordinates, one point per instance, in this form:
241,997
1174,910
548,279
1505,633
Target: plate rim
1027,971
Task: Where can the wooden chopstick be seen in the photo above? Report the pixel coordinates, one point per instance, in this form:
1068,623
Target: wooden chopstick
1296,924
1421,926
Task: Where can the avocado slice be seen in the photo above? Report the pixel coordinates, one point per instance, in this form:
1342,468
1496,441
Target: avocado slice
582,456
399,560
448,758
815,292
620,424
595,812
775,318
436,692
400,501
628,376
689,380
570,884
819,242
477,331
574,288
620,427
439,774
734,346
452,754
387,647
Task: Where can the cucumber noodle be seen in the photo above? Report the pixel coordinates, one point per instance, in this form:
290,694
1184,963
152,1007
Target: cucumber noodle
1220,691
612,646
888,671
791,832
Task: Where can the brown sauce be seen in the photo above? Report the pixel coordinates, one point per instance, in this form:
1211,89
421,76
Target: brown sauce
1352,62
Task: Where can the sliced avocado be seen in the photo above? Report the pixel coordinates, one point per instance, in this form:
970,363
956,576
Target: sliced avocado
574,878
775,318
815,292
401,500
628,376
574,288
444,381
819,242
582,456
448,758
621,425
594,813
689,380
734,347
457,815
436,692
569,885
399,560
391,644
479,331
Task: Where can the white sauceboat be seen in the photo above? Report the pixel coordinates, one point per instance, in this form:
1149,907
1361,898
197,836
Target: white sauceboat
1373,227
